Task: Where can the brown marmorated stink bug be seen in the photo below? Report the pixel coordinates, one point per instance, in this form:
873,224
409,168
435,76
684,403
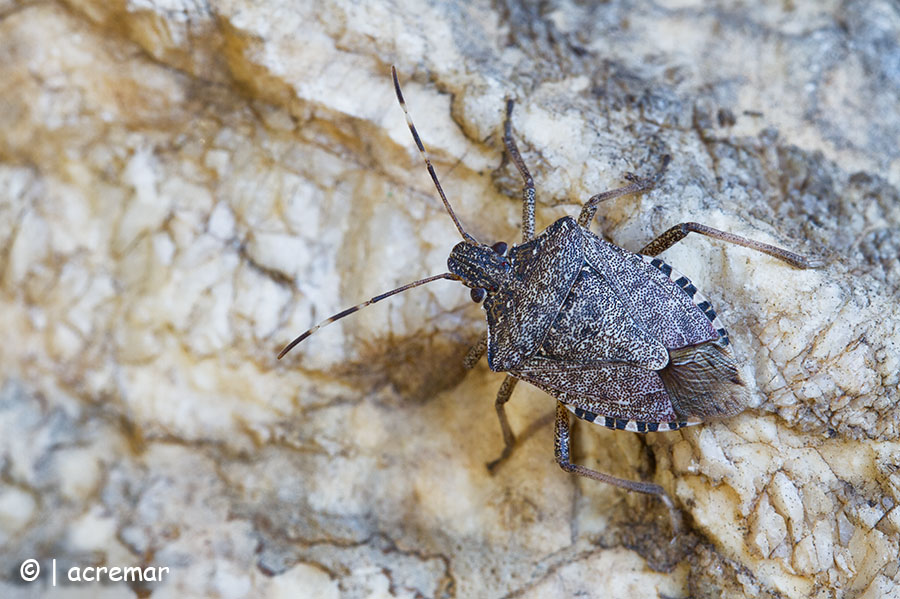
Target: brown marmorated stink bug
619,339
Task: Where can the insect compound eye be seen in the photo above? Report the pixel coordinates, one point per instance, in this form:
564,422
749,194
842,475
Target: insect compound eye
500,247
477,294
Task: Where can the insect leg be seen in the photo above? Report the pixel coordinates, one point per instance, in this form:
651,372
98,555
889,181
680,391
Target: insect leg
528,190
562,438
637,185
679,232
475,352
509,439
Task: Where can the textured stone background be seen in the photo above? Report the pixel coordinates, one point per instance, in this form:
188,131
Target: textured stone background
184,186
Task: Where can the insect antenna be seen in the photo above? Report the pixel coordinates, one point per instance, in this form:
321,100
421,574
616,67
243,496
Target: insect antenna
415,134
349,311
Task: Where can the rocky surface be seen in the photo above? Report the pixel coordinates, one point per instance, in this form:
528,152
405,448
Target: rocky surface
186,186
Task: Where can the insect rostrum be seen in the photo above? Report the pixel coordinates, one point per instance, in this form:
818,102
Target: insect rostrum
621,339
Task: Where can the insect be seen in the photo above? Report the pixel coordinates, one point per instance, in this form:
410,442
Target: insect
618,338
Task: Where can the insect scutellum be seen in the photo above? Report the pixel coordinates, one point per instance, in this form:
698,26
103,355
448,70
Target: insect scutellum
474,264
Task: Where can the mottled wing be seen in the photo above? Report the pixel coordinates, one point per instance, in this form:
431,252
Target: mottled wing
520,314
666,310
614,390
700,383
595,324
699,378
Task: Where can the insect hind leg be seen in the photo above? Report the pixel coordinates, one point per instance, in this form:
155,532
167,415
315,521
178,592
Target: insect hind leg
679,232
562,437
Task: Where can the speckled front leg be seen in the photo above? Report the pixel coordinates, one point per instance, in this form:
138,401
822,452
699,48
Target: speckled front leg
475,352
561,441
528,190
509,439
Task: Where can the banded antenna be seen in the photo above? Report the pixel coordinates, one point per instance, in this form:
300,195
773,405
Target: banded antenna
468,238
415,134
349,311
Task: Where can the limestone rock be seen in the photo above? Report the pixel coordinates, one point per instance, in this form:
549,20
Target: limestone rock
186,186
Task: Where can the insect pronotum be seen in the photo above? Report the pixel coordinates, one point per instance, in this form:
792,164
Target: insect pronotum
620,339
